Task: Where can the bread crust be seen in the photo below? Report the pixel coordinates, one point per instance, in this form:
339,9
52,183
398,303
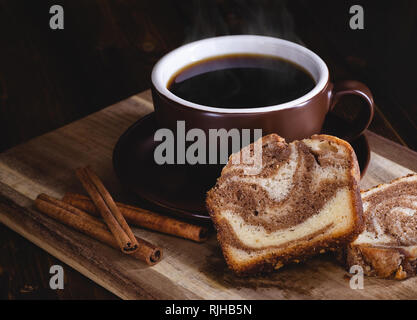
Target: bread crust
310,247
383,262
398,263
391,182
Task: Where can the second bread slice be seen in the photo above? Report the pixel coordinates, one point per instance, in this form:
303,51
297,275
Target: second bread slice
387,248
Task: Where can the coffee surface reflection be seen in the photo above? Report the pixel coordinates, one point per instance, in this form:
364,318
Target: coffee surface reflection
241,81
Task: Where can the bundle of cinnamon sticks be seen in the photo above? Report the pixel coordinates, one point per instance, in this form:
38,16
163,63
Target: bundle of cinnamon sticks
83,212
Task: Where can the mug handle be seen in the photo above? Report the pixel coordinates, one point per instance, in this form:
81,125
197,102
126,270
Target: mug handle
357,88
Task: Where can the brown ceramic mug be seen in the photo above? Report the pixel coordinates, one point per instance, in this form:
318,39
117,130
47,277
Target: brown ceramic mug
296,119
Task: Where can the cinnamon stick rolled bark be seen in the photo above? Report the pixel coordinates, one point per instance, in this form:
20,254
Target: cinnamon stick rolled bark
71,209
108,210
92,227
144,218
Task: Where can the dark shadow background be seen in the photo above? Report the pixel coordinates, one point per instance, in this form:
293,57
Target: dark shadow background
106,52
49,78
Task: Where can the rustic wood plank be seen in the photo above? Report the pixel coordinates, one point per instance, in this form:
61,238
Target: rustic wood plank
105,54
188,270
393,151
24,273
68,246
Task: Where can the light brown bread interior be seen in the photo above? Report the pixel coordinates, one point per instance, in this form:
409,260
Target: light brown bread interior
304,201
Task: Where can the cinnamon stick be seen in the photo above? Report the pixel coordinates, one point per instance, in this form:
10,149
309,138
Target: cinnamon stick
108,210
144,218
92,227
72,209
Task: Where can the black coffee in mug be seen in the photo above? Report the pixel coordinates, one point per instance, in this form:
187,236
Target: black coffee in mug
241,81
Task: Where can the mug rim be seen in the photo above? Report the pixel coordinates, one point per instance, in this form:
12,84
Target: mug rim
161,87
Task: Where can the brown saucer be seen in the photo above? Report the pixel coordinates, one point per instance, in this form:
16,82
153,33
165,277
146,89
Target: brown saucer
175,189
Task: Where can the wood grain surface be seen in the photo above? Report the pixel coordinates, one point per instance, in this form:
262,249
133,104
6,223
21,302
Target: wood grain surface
49,78
188,270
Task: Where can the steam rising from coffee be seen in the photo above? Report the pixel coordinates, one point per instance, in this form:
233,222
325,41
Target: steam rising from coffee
224,81
258,17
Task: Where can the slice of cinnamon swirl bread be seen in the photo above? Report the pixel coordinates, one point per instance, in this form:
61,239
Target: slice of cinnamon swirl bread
387,248
304,200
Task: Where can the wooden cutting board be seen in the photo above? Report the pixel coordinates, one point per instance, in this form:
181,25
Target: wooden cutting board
188,270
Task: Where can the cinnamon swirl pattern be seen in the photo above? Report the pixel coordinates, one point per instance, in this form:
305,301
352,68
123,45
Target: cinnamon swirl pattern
304,200
387,247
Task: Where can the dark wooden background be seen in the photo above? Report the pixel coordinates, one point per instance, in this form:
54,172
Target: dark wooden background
49,78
